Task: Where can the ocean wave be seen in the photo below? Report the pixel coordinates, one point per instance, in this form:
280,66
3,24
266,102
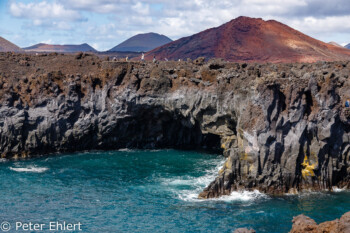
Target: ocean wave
243,195
2,160
195,185
125,150
177,182
196,182
29,169
337,190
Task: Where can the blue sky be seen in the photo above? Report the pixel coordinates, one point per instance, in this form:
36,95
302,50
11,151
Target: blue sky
105,23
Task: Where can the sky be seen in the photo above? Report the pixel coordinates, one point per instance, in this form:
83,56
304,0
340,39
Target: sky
105,23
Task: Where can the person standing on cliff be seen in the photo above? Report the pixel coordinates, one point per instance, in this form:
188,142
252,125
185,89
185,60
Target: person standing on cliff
347,103
142,57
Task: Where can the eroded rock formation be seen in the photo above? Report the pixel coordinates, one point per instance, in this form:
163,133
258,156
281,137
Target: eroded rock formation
304,224
283,128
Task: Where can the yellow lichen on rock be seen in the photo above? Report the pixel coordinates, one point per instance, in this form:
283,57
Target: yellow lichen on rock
308,169
228,141
227,165
223,146
244,156
251,168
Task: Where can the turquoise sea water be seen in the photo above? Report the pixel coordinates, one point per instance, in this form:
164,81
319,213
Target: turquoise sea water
145,191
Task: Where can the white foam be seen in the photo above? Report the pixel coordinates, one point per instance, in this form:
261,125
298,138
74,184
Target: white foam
155,150
177,182
2,160
337,190
29,169
125,150
197,184
243,196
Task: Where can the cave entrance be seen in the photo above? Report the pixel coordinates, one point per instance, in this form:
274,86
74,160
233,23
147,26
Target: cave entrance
156,128
211,143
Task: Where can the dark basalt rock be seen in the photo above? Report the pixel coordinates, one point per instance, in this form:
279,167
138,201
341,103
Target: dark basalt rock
282,127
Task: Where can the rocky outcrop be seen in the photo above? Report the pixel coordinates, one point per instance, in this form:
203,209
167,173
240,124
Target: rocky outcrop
283,128
293,133
244,230
303,224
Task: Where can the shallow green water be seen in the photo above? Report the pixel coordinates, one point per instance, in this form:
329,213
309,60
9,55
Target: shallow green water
145,191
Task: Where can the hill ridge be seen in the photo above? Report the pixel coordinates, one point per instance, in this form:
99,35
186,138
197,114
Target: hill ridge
246,39
68,48
143,42
7,46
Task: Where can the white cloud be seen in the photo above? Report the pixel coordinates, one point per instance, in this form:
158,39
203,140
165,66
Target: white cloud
50,15
141,9
322,25
49,41
43,10
95,46
98,6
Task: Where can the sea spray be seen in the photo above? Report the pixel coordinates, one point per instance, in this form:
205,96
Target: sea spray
29,169
187,188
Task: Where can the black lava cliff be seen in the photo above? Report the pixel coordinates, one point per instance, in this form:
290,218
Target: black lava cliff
283,128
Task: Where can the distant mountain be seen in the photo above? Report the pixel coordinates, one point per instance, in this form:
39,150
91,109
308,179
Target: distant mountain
142,43
7,46
247,39
60,48
347,46
335,44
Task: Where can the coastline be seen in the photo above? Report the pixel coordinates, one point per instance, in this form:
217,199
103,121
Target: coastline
282,127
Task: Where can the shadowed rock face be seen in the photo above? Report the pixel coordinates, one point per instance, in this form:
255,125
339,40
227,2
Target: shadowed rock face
283,128
251,40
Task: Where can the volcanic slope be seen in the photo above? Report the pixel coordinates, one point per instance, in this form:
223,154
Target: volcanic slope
142,43
7,46
247,39
41,47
